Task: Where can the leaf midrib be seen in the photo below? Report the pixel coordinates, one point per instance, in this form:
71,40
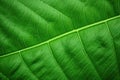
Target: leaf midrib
62,35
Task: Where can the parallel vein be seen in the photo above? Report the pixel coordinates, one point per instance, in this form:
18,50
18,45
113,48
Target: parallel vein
51,52
85,52
27,66
114,47
62,35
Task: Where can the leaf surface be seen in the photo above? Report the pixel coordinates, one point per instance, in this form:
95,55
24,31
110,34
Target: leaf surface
56,40
88,53
24,23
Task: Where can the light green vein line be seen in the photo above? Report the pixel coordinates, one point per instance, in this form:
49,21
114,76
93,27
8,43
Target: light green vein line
56,10
62,35
36,14
27,66
100,22
85,52
113,47
51,52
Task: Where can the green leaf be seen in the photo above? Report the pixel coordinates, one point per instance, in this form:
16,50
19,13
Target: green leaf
46,40
24,23
88,53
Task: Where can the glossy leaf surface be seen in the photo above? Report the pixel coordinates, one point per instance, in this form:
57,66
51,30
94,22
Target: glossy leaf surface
88,53
49,40
24,23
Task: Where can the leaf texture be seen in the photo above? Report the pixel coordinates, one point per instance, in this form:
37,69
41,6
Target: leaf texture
24,23
88,53
49,40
